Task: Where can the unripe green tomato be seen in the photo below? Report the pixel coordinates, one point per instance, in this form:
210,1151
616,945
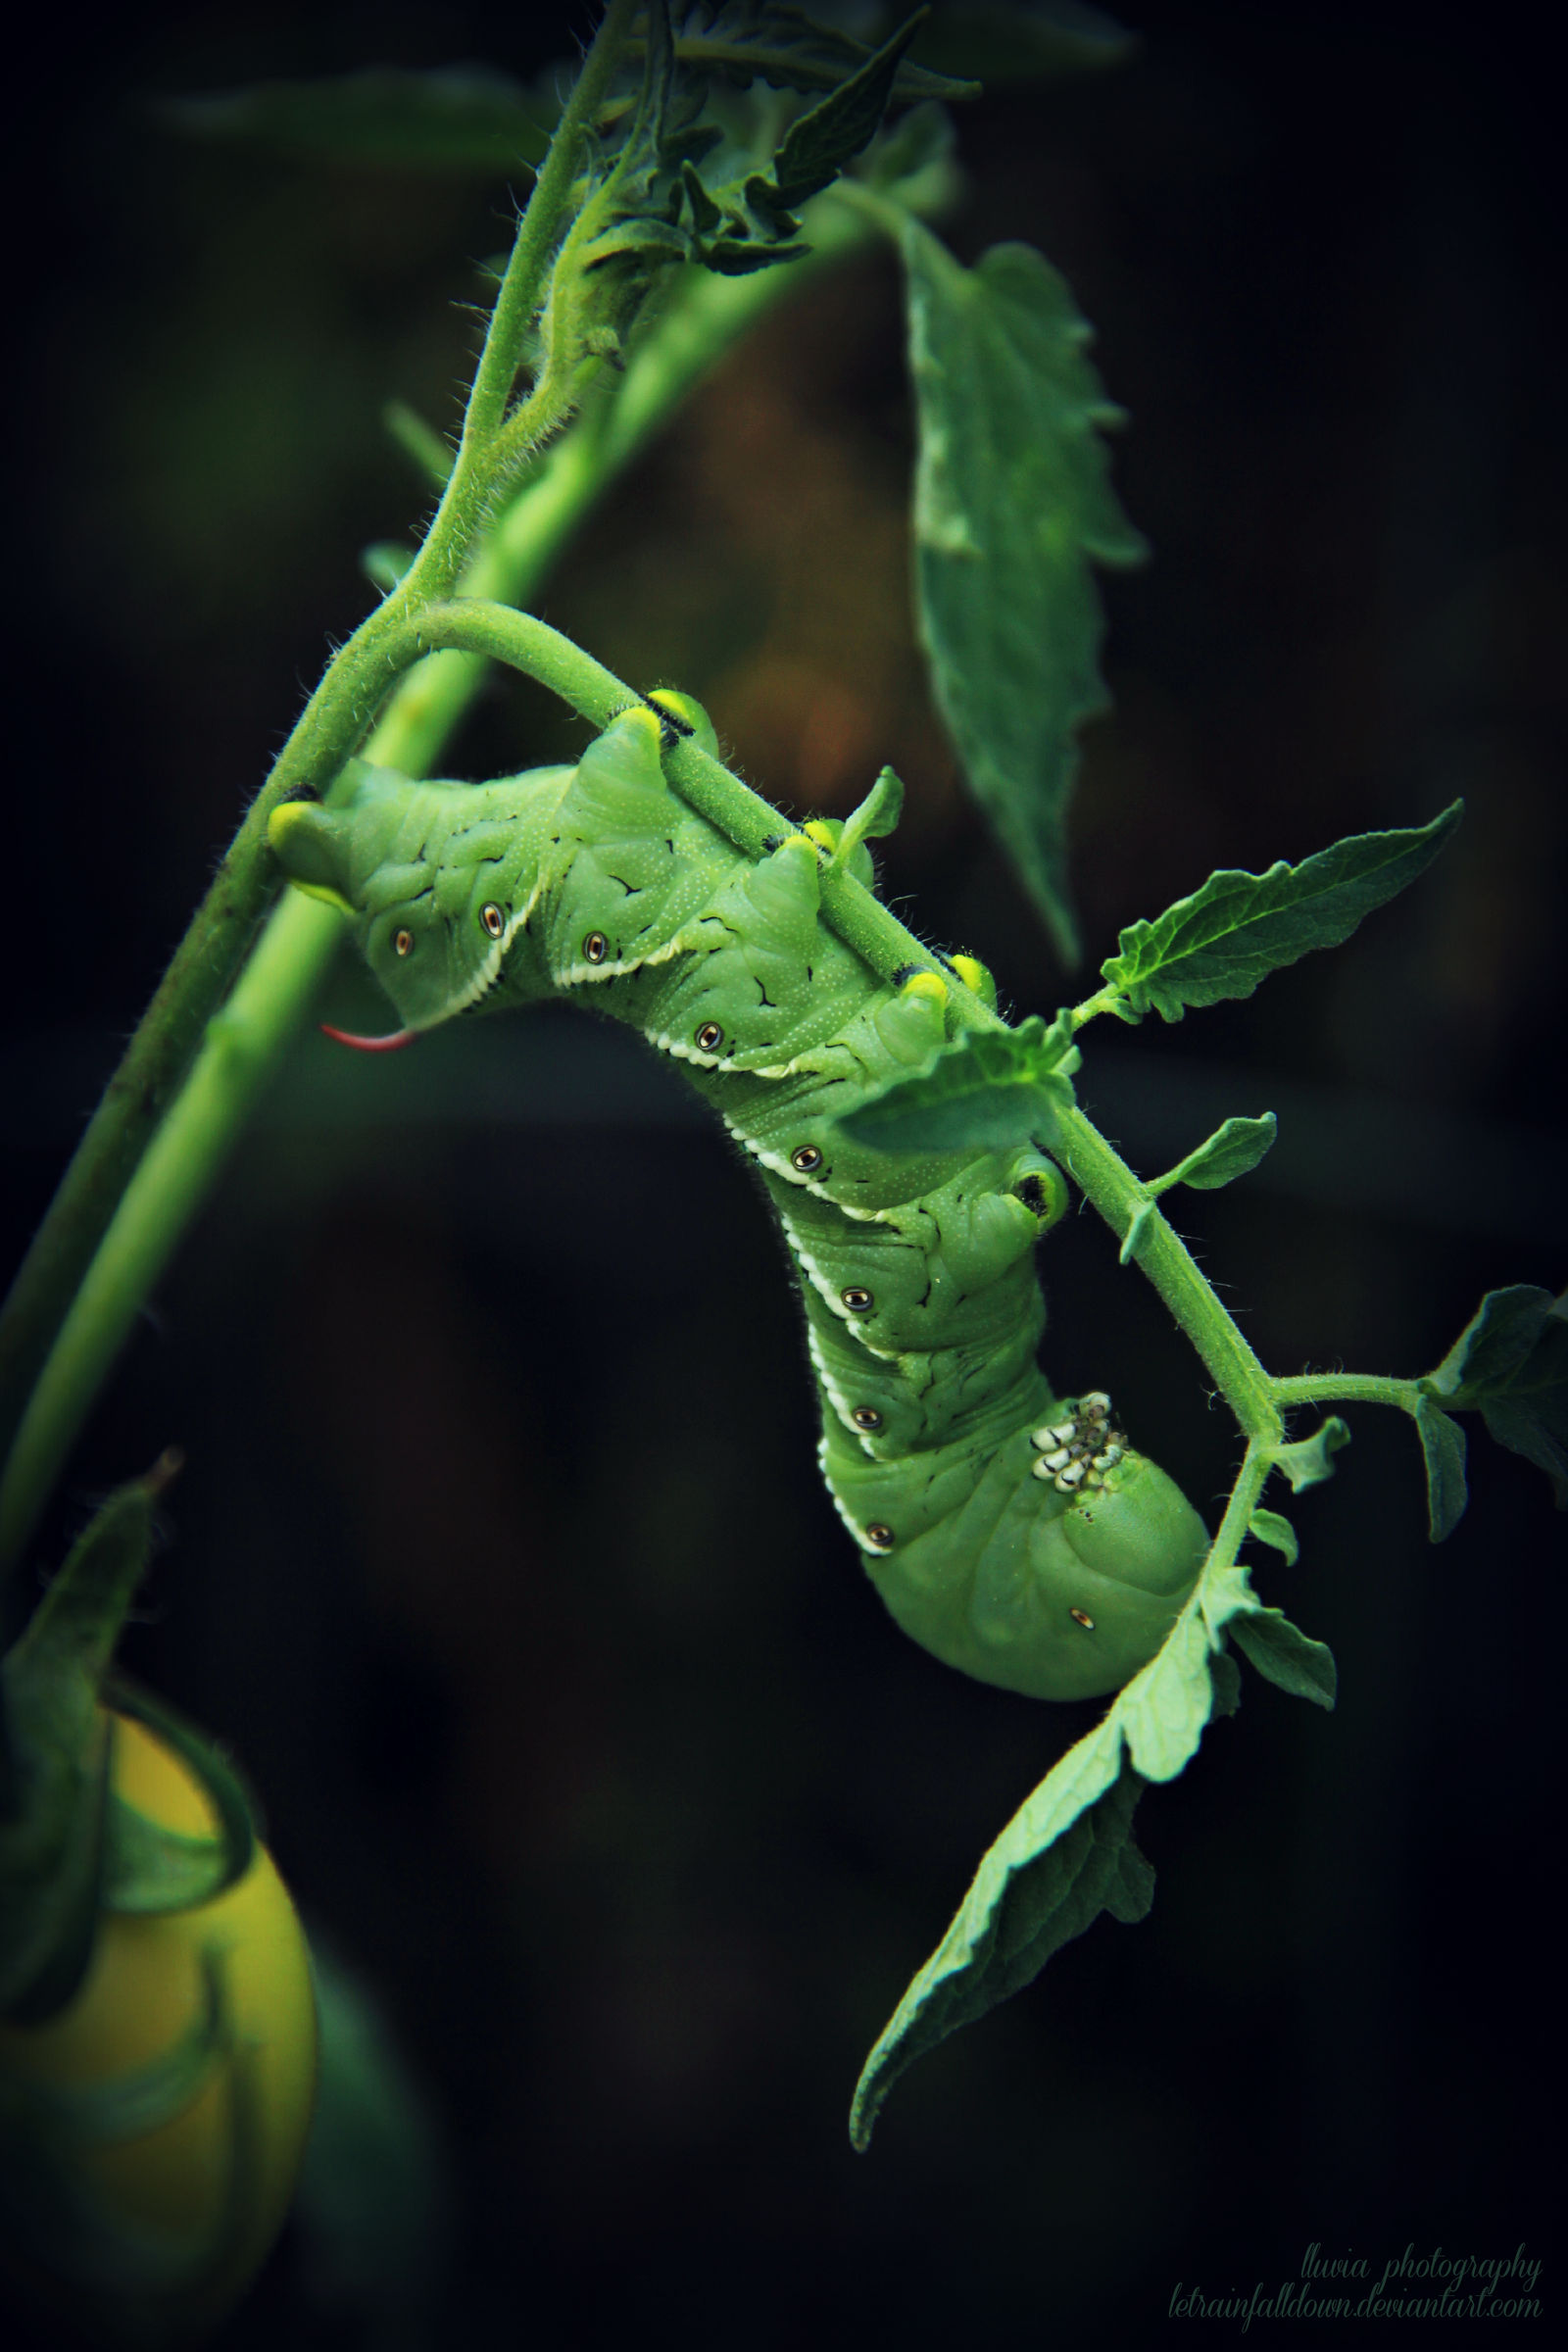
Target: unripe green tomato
247,2125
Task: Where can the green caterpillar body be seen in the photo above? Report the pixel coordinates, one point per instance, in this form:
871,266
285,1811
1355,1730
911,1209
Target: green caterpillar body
1018,1537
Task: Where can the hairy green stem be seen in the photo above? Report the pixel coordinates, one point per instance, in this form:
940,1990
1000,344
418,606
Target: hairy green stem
172,1028
1347,1388
330,728
166,1187
475,482
1104,1000
1104,1177
703,318
875,933
1250,1480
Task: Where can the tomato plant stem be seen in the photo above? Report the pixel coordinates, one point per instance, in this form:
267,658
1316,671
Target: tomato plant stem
1346,1388
164,1079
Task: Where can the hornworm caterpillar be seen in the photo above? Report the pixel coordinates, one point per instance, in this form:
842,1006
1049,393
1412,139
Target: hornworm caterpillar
1016,1536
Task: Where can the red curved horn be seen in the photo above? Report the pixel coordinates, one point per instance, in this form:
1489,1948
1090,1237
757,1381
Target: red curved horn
370,1045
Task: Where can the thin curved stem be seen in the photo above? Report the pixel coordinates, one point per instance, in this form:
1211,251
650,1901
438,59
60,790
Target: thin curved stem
473,483
703,318
1347,1388
332,726
169,1184
1250,1480
1106,1179
188,997
860,919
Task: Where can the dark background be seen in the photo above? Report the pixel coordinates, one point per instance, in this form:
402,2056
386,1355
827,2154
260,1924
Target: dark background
500,1558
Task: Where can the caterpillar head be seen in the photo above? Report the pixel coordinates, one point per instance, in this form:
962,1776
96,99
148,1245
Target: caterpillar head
416,868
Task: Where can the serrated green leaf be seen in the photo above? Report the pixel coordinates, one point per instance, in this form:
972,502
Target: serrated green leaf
1014,508
458,118
816,147
725,193
989,1090
1493,1343
1510,1365
746,40
1163,1709
1240,927
1308,1461
1067,1853
1232,1149
1534,1422
1443,1451
1270,1528
1282,1652
1066,1856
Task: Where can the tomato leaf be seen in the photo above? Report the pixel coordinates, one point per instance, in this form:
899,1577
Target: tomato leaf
1067,1854
1443,1451
1240,927
1232,1149
748,220
989,1090
1270,1528
1510,1365
1012,509
875,818
1284,1654
742,40
1308,1461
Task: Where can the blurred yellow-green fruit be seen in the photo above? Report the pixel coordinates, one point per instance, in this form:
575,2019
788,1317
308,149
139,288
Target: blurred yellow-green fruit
207,2188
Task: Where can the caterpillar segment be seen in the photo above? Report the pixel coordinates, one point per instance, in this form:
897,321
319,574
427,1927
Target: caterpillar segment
1018,1536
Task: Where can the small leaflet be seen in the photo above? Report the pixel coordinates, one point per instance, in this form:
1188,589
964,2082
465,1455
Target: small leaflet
1284,1654
1240,927
1232,1149
1443,1449
1310,1460
988,1091
875,818
1270,1528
